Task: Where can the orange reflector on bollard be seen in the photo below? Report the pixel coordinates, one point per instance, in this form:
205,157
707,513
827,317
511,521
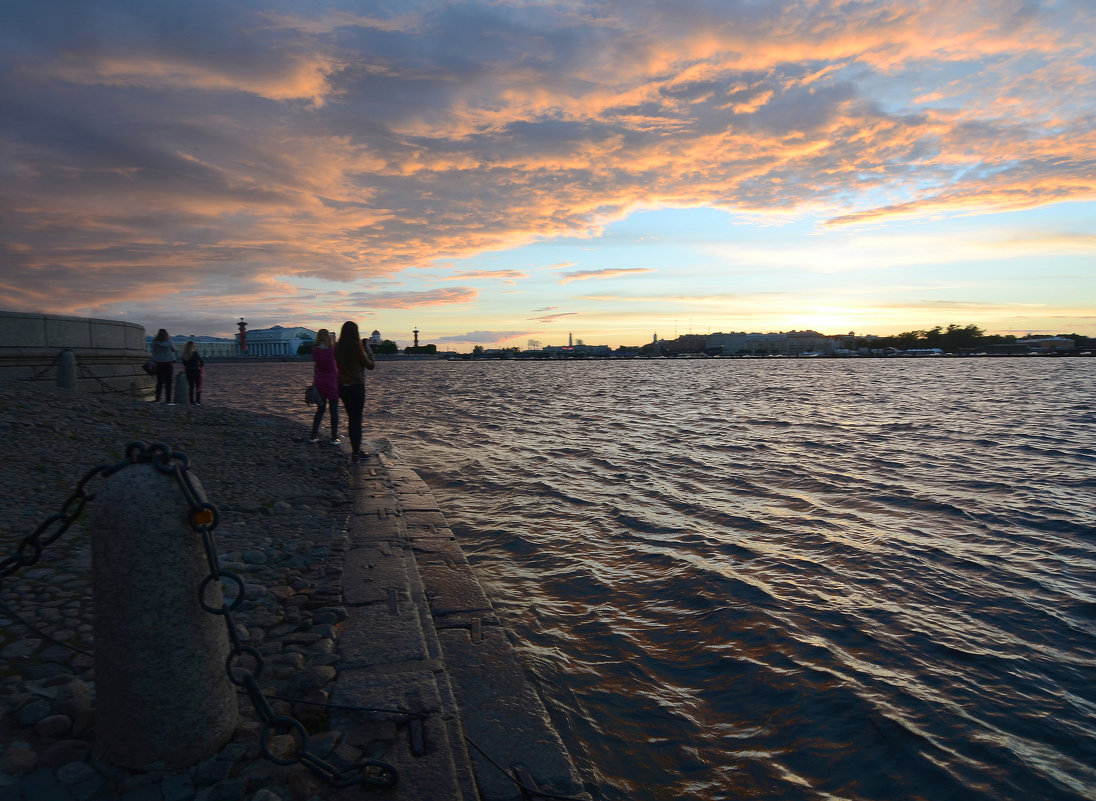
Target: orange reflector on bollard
202,517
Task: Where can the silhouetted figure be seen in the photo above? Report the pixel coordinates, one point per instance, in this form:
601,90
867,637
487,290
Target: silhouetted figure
163,353
325,376
193,364
353,357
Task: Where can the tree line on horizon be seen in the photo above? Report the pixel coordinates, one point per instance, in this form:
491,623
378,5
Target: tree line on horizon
952,339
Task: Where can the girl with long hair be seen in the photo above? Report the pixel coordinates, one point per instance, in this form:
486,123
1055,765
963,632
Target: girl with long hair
163,353
192,363
325,376
353,357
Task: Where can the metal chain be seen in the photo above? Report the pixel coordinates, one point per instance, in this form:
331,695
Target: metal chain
29,550
203,519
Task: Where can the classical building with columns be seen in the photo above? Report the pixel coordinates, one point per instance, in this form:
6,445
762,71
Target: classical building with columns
277,341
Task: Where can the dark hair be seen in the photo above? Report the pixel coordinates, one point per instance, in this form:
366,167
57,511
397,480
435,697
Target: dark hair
161,335
349,344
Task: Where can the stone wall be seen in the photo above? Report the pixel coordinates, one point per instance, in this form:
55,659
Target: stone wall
108,353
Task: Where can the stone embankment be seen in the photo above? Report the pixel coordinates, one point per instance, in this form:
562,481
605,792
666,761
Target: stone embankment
93,356
373,631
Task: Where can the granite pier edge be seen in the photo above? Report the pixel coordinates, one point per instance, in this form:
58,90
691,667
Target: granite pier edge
421,634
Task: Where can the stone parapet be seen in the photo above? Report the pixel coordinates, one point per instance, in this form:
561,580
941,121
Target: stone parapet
422,636
108,353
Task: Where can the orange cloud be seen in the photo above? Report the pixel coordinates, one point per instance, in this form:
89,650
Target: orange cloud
412,300
508,276
296,78
586,275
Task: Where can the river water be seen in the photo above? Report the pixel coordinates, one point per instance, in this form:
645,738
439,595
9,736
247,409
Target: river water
774,579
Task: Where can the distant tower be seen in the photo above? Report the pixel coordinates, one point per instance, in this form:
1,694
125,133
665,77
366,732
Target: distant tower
243,335
375,339
416,333
570,340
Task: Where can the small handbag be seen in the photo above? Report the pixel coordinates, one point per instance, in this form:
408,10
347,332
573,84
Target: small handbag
149,367
312,395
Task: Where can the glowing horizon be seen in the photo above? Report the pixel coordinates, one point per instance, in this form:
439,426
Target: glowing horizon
495,171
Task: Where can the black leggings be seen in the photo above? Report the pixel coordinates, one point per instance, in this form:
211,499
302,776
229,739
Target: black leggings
194,385
353,398
333,405
164,372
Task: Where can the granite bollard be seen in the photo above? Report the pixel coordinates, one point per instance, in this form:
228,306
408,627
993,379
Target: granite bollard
162,690
182,388
66,370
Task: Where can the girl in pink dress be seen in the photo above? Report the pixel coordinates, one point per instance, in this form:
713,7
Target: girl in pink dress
326,379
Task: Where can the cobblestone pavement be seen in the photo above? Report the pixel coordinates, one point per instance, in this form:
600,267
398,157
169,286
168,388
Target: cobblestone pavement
283,506
374,633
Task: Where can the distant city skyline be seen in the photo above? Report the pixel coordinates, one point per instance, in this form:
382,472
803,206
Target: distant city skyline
491,172
572,341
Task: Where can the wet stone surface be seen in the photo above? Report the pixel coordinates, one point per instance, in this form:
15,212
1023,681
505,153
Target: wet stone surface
283,505
337,610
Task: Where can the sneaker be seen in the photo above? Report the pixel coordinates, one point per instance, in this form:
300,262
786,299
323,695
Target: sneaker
314,439
336,441
171,404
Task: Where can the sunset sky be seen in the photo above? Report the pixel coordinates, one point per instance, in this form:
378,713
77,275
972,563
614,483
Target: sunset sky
494,172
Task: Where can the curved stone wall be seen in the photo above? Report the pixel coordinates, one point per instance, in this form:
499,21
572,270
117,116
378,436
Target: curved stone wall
108,353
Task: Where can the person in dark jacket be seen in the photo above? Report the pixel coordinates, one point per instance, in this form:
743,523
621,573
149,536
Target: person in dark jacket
353,357
193,364
163,353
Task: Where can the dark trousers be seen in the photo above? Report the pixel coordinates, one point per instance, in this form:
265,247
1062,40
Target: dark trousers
353,398
333,405
194,385
164,372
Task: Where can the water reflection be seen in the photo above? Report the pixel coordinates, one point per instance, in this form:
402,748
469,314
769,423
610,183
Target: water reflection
786,580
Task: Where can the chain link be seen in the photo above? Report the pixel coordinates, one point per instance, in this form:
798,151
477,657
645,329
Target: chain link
43,536
203,518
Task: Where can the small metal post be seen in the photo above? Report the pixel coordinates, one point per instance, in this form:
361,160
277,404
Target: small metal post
162,690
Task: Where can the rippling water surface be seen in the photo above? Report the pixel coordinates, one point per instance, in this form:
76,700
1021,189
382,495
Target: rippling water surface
778,579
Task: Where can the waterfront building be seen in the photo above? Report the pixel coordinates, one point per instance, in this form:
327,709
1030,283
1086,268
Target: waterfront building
1047,344
211,347
808,342
580,349
277,341
783,343
774,344
685,344
727,344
